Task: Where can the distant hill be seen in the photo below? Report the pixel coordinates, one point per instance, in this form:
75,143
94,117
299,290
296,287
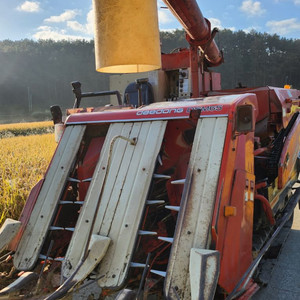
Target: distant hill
252,59
35,75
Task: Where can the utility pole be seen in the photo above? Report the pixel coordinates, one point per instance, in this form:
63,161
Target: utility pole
29,96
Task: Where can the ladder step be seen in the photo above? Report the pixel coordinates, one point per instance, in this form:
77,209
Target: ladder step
175,208
144,232
42,256
161,176
152,202
66,202
59,259
166,239
137,265
70,228
71,202
159,160
73,179
160,273
179,181
87,180
78,181
55,228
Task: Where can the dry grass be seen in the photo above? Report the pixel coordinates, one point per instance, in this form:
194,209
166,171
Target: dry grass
17,129
23,161
31,125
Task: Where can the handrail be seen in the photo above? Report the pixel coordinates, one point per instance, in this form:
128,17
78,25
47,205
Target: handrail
78,94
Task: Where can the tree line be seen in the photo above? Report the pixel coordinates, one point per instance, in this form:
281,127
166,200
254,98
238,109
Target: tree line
37,74
252,59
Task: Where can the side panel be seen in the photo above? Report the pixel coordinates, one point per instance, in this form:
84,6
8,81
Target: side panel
130,189
122,195
26,213
35,232
235,228
238,256
197,204
84,224
287,164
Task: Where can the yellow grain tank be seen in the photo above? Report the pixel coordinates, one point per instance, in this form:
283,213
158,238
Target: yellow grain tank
126,36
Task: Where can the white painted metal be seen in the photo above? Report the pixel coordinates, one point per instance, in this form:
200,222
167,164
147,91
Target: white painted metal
40,219
8,231
122,192
197,203
22,281
204,273
84,223
130,191
97,249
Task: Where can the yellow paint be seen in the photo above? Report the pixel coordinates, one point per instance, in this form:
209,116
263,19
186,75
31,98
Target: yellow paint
229,211
249,158
288,159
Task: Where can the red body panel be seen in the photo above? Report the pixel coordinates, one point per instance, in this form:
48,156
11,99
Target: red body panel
177,60
209,106
289,156
232,234
270,100
236,175
236,183
26,213
87,166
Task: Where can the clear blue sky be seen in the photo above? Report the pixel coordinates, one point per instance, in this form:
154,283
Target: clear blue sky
71,19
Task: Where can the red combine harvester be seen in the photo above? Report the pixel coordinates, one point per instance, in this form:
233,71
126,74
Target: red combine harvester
175,194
